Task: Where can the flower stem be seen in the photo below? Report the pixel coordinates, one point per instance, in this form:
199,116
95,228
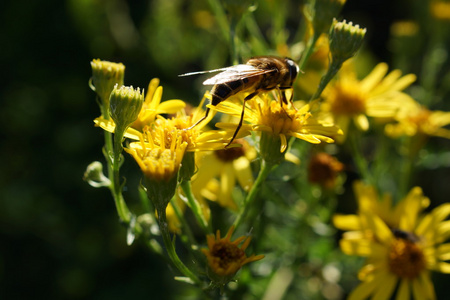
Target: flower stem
335,66
116,188
251,196
195,206
309,50
360,161
171,249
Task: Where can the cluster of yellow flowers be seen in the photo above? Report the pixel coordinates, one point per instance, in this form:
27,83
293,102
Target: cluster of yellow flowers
185,163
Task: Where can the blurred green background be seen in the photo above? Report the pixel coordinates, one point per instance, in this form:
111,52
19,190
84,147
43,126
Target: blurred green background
60,238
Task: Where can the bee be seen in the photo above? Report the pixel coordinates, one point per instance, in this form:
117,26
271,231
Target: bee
258,74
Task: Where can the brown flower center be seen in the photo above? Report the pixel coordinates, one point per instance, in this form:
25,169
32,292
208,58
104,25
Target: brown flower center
347,102
323,169
406,258
227,253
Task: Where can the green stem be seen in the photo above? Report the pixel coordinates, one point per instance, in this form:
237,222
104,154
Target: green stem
332,70
116,188
251,196
171,249
220,17
184,224
358,157
233,38
195,206
309,50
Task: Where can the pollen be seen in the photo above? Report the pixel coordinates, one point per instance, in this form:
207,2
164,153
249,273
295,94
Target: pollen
347,101
406,259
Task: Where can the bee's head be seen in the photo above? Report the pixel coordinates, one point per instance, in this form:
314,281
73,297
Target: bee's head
293,70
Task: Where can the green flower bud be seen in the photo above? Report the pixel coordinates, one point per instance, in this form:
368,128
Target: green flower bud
105,75
94,175
270,145
125,105
345,40
321,13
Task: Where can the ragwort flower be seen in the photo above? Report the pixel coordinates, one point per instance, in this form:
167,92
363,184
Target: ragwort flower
417,120
225,257
377,95
263,114
401,253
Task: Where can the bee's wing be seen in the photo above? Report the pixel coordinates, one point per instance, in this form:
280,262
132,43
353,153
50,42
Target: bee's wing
234,73
202,72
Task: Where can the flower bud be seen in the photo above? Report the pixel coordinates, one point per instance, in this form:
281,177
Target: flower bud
345,40
105,75
94,175
125,104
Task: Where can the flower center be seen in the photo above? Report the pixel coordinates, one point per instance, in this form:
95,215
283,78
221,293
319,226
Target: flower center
421,118
324,169
280,119
347,101
406,259
227,253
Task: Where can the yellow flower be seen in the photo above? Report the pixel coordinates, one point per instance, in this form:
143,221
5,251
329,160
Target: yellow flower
402,252
158,162
418,120
225,257
377,95
160,165
263,114
219,170
370,202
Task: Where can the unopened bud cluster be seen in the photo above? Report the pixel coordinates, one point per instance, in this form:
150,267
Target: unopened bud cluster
125,104
105,75
345,40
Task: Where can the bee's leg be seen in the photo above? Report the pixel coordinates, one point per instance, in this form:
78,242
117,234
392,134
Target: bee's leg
284,98
201,120
242,117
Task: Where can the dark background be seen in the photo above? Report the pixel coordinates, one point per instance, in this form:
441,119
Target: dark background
60,238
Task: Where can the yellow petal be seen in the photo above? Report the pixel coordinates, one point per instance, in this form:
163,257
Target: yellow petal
243,172
365,289
379,228
374,78
387,285
170,106
349,222
404,291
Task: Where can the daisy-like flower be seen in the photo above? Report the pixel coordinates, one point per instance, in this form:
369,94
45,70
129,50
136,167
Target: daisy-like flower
401,253
264,114
377,95
418,120
219,170
225,257
381,205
